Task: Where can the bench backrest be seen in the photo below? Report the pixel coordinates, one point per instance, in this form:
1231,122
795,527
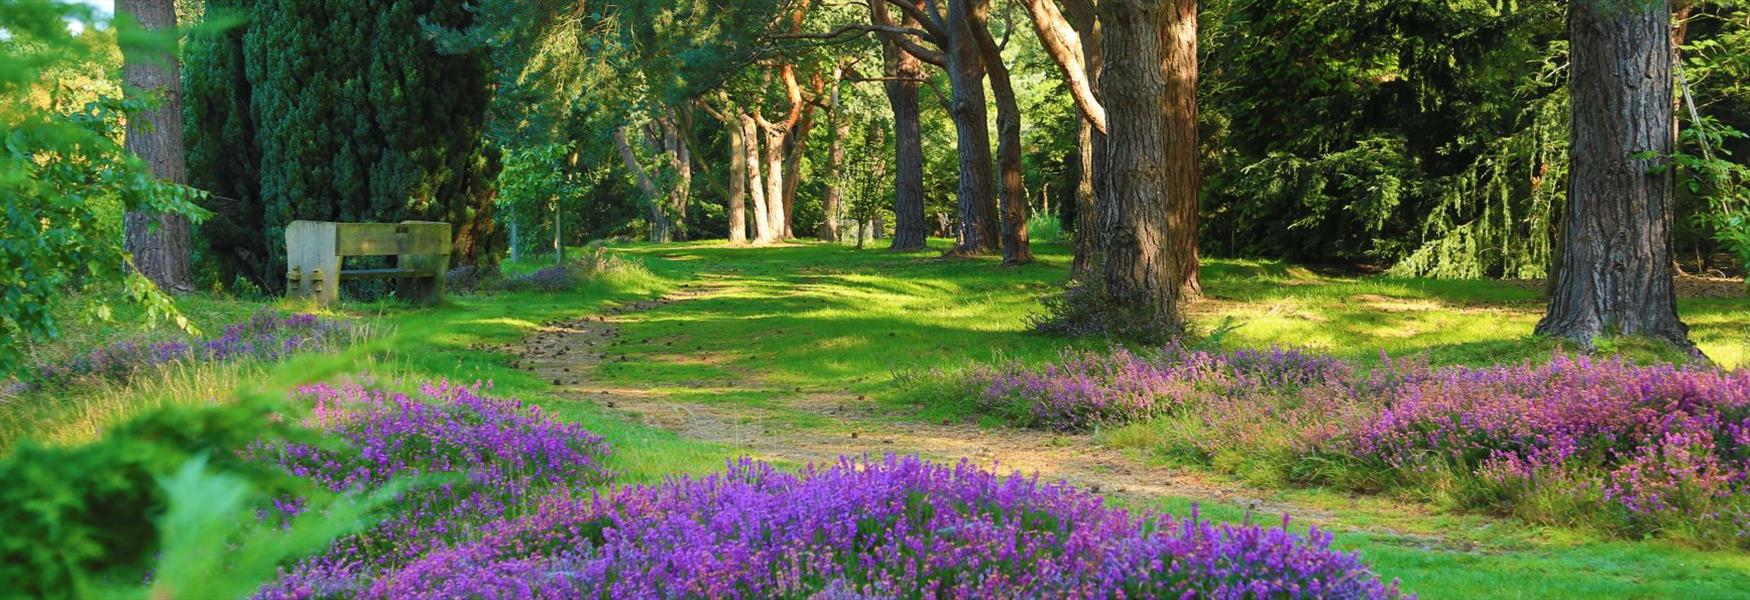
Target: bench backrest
315,249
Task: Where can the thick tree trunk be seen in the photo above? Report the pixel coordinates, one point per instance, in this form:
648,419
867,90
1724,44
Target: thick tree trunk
1184,180
762,214
1142,270
977,198
1012,189
774,148
737,183
161,244
1616,274
905,74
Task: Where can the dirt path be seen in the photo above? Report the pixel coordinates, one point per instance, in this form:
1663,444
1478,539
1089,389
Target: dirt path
567,353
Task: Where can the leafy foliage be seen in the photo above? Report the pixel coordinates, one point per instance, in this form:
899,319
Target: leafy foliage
82,519
67,180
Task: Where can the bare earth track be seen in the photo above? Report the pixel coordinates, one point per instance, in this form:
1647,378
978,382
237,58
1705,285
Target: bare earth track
568,353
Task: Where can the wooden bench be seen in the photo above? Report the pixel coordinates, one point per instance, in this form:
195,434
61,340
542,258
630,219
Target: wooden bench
316,249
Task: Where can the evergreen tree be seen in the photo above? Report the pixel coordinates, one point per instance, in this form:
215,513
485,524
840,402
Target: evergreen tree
342,111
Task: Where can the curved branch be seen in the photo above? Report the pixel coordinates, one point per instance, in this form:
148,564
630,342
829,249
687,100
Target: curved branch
1064,45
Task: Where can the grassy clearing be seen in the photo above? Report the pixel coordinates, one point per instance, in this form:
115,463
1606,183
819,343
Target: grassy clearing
827,321
804,321
452,342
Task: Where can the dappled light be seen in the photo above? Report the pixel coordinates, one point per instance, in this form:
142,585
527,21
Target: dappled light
969,299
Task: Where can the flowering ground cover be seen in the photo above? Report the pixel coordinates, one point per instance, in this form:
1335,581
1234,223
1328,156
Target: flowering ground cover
894,528
1633,449
267,335
494,457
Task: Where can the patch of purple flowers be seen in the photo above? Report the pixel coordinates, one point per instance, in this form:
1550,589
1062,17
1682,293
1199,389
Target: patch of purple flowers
555,278
266,335
1645,448
1083,389
896,528
497,457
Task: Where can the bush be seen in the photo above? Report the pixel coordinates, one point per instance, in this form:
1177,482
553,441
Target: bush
467,279
596,263
1632,449
896,528
1083,309
82,518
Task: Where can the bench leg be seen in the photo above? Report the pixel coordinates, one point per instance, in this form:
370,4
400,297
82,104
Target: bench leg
425,289
310,249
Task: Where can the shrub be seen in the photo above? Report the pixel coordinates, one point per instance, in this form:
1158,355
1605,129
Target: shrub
1634,449
1083,309
596,263
468,279
896,528
78,519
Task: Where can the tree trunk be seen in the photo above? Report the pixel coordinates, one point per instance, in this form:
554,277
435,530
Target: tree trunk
161,244
775,138
762,214
796,146
558,232
1179,107
652,200
516,247
1091,145
841,127
680,157
1616,274
905,74
1141,268
978,227
737,183
1012,192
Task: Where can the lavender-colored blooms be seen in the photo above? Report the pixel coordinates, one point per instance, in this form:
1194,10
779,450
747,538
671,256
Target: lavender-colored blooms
501,454
896,528
554,278
266,335
1646,443
1087,389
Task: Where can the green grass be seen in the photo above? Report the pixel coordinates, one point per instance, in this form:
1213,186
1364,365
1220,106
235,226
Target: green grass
812,320
454,342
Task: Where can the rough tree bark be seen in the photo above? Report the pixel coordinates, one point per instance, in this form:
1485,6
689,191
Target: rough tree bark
1142,270
977,198
1616,275
1184,184
904,74
161,244
1012,189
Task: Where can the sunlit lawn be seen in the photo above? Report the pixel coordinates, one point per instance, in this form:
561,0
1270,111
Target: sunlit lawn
811,318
